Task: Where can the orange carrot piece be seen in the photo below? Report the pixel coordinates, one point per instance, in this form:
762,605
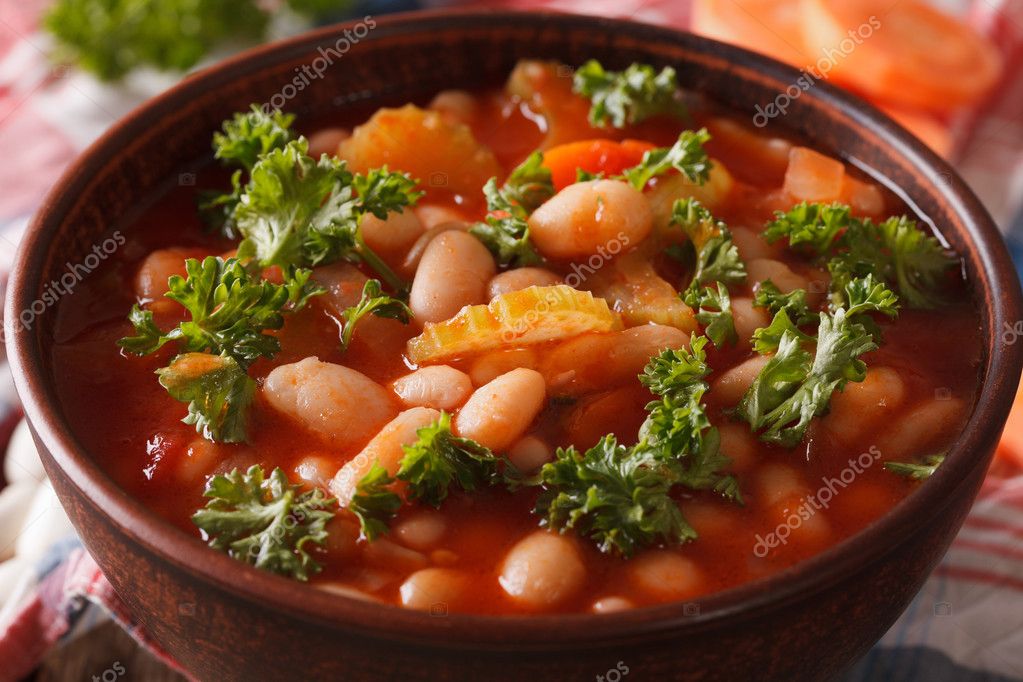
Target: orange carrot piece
592,156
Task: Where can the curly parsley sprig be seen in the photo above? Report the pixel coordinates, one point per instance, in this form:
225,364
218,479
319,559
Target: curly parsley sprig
302,212
505,231
265,522
621,98
896,252
230,310
621,497
373,301
430,467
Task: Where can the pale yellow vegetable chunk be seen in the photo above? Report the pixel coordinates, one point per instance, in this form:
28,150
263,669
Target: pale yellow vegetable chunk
518,318
435,149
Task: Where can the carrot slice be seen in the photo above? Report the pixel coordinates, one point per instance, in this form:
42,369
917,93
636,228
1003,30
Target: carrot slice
903,52
592,156
767,26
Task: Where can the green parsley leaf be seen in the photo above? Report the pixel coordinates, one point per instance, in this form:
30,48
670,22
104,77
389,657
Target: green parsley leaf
794,303
439,459
625,97
507,237
229,309
814,227
793,387
714,311
896,252
506,230
529,185
265,522
675,372
916,261
302,212
248,136
677,428
374,301
374,503
867,295
585,176
766,339
217,390
915,471
717,257
613,495
687,156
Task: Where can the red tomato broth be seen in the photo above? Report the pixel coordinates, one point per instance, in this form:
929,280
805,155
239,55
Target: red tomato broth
126,419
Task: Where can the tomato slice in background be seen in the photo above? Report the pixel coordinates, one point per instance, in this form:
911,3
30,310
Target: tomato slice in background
767,26
904,52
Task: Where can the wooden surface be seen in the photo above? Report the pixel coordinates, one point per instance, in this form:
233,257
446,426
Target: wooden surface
106,653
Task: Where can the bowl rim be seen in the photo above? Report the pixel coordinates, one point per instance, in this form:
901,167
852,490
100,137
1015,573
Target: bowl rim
456,631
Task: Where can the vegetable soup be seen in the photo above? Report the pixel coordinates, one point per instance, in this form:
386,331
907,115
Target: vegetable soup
576,344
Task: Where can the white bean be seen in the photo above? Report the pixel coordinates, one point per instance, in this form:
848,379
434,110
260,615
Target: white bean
587,217
543,570
861,407
316,470
760,269
921,427
342,406
157,268
611,605
529,454
733,384
452,274
663,574
519,279
14,505
739,445
751,245
200,460
433,589
779,484
327,141
22,462
748,318
393,235
439,386
498,413
418,248
457,106
385,449
44,524
422,530
489,366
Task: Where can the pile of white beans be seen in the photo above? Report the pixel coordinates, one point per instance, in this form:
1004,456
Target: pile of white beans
31,519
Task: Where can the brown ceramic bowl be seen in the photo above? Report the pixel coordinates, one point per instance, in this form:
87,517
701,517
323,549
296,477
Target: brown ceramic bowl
224,621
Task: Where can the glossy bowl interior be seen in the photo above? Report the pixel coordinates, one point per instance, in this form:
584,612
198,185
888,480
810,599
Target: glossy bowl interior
225,620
